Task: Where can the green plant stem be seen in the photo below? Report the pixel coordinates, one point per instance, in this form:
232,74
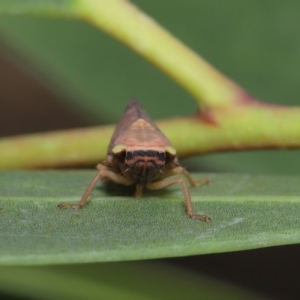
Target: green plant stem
67,148
249,126
141,33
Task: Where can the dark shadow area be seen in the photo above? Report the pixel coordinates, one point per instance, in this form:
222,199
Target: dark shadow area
27,106
273,272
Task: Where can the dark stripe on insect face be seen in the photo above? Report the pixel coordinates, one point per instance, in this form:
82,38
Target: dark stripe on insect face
146,153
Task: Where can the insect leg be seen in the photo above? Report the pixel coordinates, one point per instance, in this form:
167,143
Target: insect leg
103,174
85,195
139,191
156,185
183,171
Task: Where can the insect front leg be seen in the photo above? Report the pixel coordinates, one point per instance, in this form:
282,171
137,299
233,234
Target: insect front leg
139,191
183,171
157,185
103,174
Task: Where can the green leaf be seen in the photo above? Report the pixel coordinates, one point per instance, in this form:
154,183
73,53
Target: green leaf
247,212
134,280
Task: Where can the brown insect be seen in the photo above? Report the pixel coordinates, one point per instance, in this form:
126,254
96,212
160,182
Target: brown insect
140,154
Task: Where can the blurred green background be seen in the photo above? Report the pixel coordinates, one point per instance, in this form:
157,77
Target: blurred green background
57,74
253,42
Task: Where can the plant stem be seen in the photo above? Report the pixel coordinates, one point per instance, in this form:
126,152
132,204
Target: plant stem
249,126
141,33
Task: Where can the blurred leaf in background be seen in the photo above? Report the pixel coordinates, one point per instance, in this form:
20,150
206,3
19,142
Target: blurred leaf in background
132,281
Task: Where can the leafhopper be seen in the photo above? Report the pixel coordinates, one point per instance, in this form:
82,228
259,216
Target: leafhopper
140,154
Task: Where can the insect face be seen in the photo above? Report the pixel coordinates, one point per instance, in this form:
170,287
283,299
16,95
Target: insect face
144,165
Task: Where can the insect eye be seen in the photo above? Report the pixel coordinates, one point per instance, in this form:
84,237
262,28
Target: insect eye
170,157
120,156
129,155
